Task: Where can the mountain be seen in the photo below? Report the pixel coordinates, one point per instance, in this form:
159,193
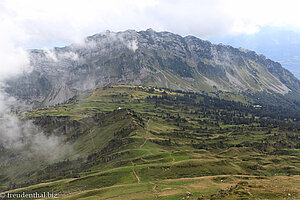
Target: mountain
280,45
148,58
151,115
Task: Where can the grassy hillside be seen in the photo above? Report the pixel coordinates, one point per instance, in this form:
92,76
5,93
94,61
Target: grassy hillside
134,142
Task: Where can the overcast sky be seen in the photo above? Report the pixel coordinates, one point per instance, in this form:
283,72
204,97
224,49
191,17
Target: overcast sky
46,23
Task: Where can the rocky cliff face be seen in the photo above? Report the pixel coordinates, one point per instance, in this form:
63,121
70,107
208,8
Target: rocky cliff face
147,58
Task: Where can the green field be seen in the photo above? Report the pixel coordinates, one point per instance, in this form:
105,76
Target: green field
134,142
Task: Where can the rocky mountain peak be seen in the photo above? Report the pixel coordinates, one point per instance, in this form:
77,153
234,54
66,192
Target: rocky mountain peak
147,58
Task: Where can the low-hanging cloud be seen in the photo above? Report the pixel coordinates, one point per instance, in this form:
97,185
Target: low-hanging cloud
17,134
22,135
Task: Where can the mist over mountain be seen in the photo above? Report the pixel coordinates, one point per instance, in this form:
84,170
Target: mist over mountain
148,57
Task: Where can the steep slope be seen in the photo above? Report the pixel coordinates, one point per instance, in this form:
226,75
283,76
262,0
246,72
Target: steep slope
147,58
279,45
100,134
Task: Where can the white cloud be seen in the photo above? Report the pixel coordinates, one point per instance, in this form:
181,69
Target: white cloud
13,58
50,21
50,55
248,15
38,24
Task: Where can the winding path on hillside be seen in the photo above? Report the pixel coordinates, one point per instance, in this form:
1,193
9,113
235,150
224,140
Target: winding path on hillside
135,174
137,177
147,133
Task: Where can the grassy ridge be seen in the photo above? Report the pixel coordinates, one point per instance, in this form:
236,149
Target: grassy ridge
146,143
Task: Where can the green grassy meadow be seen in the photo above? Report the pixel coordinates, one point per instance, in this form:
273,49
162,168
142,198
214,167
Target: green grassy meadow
137,142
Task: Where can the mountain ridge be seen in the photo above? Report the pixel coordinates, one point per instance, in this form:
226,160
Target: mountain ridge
278,45
152,58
